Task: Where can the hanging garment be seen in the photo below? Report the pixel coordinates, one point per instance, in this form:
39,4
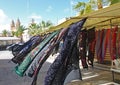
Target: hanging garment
65,52
113,49
16,49
82,47
118,44
70,64
55,50
46,55
105,43
19,54
97,45
36,62
112,42
91,52
20,69
91,34
99,54
91,45
30,71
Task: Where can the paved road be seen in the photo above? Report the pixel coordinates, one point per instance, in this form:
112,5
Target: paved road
8,75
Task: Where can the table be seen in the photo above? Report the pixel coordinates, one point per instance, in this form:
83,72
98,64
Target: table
114,71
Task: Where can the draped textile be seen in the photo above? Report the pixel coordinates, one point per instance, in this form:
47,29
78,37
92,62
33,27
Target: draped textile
106,38
47,54
21,51
99,46
91,45
106,42
118,44
82,47
20,69
65,52
113,42
38,59
70,64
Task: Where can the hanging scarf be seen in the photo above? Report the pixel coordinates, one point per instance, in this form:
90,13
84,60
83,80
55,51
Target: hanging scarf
118,44
113,48
36,62
26,48
71,63
97,45
65,52
106,42
99,55
46,55
20,69
82,47
91,45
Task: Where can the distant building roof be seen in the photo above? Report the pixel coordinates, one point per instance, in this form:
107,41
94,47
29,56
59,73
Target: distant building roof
9,38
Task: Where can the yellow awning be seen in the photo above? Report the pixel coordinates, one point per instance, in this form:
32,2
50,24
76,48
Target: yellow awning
101,18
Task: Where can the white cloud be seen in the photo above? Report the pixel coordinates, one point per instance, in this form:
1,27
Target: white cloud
34,16
49,8
72,2
4,21
61,20
4,27
66,10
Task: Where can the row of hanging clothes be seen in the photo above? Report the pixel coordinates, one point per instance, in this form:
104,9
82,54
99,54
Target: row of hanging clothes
73,44
30,56
107,44
102,45
87,47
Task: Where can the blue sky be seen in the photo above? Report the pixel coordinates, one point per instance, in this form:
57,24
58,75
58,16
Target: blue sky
53,10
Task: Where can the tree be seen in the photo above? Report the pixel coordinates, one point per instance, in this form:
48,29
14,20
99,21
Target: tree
35,29
4,33
13,33
92,5
113,1
45,25
99,4
20,31
84,7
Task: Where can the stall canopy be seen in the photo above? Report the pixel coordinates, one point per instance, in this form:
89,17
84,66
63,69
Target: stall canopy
105,17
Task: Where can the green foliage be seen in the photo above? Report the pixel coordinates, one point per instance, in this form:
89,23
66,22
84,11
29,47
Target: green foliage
113,1
4,33
19,31
84,7
13,33
35,29
92,5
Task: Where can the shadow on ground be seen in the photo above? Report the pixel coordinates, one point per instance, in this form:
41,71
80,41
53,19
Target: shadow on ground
9,77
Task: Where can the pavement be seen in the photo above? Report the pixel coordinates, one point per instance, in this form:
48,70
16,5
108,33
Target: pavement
90,76
8,75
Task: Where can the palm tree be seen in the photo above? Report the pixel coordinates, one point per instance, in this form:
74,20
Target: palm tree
49,23
113,1
33,29
84,7
20,31
4,33
99,4
13,33
87,7
45,25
